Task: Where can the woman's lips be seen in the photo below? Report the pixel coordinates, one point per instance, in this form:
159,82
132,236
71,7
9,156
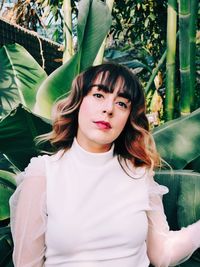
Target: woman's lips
103,124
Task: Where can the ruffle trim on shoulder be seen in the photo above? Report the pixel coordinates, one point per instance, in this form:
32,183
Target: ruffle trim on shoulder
156,192
157,189
36,166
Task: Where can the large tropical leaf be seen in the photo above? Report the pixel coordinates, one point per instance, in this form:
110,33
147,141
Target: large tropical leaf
6,247
189,200
7,187
126,58
17,133
5,164
91,31
113,54
182,203
136,64
20,77
194,165
178,140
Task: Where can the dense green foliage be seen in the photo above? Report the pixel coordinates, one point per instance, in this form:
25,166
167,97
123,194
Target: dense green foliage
139,35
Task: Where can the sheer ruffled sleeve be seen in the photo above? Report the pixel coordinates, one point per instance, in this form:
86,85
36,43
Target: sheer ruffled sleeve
167,248
28,215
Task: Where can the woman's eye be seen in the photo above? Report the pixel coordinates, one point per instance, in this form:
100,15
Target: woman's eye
122,104
97,95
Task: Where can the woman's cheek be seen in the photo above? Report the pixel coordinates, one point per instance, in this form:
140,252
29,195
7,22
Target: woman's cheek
84,108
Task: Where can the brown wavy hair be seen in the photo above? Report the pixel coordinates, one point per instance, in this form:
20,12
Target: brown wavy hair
135,142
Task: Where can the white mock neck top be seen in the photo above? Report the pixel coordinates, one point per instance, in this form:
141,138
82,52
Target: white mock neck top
80,209
96,212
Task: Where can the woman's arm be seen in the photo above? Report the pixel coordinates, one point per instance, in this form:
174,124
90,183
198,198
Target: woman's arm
28,217
165,247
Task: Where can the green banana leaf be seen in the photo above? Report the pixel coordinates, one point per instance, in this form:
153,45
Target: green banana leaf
136,64
17,132
178,140
134,61
7,188
20,77
114,54
182,203
194,165
189,200
5,164
6,247
91,31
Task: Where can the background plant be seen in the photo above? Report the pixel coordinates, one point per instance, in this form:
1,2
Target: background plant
139,28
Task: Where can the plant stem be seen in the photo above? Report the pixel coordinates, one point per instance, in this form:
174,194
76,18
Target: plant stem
193,26
67,29
154,73
184,56
171,57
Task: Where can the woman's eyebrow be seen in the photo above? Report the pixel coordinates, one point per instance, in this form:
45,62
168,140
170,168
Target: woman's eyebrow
105,89
101,87
124,95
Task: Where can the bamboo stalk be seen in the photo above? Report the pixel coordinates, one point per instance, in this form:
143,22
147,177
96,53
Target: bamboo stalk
154,73
99,58
67,29
193,27
170,58
184,56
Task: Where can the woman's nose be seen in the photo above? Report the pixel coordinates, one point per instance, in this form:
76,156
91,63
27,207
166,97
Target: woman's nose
108,107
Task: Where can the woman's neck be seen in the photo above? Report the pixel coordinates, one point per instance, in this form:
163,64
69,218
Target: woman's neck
94,147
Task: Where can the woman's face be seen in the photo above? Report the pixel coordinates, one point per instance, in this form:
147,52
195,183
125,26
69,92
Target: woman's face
102,117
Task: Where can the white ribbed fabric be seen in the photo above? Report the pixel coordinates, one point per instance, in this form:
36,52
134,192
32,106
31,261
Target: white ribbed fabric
80,209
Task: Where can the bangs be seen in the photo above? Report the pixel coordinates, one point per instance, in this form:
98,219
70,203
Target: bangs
109,77
108,83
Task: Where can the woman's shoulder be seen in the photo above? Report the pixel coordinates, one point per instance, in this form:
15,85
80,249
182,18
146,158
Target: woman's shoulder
41,160
36,167
154,188
37,164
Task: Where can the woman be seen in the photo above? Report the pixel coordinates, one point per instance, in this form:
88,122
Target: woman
94,203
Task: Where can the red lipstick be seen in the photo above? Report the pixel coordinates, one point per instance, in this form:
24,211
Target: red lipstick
103,124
